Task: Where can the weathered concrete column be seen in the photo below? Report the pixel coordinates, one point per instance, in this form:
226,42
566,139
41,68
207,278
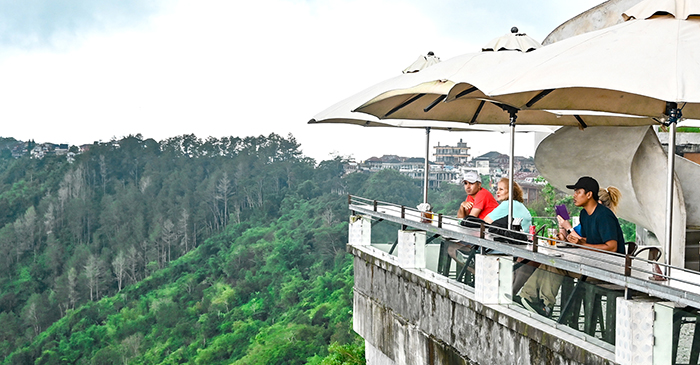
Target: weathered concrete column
663,333
634,332
644,333
494,279
411,249
360,231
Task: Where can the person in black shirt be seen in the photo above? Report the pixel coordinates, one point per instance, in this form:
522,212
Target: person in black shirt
600,230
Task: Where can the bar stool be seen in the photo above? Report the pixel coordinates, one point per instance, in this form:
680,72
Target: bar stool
591,297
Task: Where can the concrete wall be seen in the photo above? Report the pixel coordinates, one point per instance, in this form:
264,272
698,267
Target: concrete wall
416,317
602,16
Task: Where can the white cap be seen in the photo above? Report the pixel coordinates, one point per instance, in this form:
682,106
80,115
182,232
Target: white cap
471,177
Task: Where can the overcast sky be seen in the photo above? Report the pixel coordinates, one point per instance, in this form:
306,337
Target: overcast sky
78,71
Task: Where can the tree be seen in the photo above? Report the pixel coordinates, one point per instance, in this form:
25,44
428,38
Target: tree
25,231
119,266
183,232
72,287
103,174
132,261
223,193
94,273
169,237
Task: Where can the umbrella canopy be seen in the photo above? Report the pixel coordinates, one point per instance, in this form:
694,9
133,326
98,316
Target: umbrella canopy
635,67
458,80
422,100
343,111
422,62
430,80
512,41
648,65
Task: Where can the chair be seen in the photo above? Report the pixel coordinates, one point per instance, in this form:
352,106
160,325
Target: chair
599,307
654,253
465,271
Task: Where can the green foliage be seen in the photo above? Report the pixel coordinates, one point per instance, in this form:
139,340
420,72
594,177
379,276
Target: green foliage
391,186
232,251
544,215
629,229
350,354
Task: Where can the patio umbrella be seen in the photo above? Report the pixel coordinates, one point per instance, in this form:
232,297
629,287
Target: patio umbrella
422,62
423,100
648,65
342,112
432,75
466,74
512,41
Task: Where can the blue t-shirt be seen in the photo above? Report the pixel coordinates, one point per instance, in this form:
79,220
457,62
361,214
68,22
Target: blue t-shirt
519,211
602,226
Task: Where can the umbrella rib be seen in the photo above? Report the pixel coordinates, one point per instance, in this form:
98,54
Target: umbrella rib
538,97
403,105
434,103
580,121
476,114
466,92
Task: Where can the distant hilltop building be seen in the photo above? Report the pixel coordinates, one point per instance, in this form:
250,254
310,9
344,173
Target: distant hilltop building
452,155
412,167
496,164
687,142
451,163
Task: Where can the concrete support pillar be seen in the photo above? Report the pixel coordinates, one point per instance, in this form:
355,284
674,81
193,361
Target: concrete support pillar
411,249
634,332
360,231
663,333
494,279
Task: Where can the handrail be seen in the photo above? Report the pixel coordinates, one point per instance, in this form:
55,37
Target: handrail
665,289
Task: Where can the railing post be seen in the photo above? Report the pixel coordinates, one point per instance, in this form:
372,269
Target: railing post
535,243
628,265
635,329
360,231
374,203
493,278
439,220
403,212
411,249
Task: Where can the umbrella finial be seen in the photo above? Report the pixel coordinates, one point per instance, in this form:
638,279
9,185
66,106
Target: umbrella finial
514,30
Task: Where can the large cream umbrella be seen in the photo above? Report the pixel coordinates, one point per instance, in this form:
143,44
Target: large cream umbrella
649,65
342,112
423,101
422,62
469,105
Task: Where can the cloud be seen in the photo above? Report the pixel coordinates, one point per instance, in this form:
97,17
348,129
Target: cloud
30,24
222,67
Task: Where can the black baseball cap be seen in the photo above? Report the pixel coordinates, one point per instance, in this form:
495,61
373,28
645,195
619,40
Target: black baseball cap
586,183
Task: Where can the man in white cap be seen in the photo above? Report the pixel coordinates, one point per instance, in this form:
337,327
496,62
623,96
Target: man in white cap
480,202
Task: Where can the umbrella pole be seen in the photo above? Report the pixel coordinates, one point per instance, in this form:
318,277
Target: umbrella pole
511,164
674,116
426,170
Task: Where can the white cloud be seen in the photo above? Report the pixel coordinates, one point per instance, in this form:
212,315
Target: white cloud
244,68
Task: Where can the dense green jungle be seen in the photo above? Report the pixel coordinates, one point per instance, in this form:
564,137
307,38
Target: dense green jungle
215,251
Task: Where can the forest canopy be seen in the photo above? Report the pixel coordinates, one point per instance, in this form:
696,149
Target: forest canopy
227,250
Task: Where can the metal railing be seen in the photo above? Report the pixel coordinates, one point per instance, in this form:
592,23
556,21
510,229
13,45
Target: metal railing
633,275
